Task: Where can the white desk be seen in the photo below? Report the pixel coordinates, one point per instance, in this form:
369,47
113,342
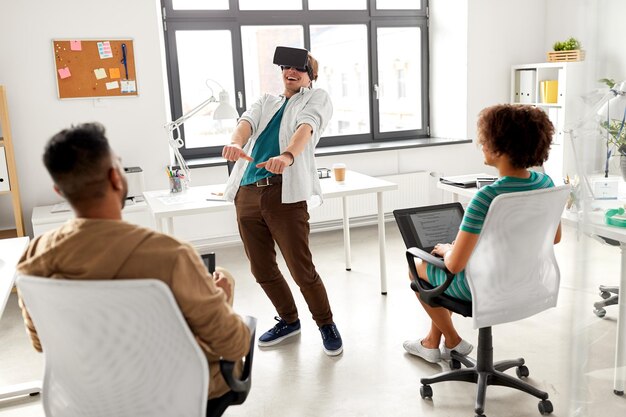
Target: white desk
457,191
10,252
166,206
593,225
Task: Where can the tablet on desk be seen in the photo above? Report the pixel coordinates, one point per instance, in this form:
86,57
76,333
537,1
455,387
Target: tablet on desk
467,181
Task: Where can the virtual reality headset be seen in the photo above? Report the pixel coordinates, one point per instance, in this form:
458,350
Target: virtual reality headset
293,58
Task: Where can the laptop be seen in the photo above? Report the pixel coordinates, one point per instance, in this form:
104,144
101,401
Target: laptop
424,227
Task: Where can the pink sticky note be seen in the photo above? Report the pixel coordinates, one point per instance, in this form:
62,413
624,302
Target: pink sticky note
76,46
64,73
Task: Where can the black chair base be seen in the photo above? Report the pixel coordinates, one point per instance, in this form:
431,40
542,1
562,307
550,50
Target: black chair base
484,372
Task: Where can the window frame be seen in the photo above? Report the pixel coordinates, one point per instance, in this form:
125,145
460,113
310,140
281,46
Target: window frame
233,19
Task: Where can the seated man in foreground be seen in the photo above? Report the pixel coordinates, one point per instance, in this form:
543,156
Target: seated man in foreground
98,245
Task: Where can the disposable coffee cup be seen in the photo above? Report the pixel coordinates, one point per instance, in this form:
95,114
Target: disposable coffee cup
339,171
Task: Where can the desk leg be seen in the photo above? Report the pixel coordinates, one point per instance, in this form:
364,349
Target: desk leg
620,344
346,233
18,390
170,226
158,222
382,244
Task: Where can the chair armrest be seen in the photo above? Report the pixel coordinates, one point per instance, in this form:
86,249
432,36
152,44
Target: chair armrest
227,368
418,285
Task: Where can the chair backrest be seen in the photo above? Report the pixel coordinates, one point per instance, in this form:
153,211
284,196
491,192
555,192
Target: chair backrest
115,348
512,272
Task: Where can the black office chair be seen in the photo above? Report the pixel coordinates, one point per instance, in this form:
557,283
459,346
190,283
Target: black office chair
512,274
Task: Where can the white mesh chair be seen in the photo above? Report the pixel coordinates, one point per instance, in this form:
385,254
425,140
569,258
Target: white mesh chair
115,348
512,274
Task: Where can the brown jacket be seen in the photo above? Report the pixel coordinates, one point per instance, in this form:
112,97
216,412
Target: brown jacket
112,249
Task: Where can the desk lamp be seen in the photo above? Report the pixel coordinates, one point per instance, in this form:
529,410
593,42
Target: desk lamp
224,110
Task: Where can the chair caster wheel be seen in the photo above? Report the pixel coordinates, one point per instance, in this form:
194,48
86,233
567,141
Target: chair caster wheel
616,392
605,294
454,364
522,371
600,312
545,407
426,391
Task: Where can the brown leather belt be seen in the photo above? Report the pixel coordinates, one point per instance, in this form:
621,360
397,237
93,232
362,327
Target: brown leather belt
275,179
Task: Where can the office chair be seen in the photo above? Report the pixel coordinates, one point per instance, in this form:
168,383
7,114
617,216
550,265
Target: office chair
120,348
609,294
512,274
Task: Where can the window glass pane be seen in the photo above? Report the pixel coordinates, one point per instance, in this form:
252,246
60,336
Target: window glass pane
200,5
203,74
270,5
399,78
337,5
258,45
398,4
341,51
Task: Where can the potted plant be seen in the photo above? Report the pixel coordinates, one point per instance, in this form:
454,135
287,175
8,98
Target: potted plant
615,134
568,50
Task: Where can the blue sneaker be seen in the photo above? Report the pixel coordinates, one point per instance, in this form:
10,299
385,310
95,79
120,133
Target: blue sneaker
331,338
280,332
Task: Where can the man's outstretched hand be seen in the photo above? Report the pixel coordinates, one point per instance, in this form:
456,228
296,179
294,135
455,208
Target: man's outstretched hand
233,152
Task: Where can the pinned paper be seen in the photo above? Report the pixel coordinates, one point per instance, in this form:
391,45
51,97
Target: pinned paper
64,73
112,85
100,73
128,87
76,46
104,49
114,72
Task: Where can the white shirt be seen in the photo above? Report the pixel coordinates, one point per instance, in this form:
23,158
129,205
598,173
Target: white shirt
300,181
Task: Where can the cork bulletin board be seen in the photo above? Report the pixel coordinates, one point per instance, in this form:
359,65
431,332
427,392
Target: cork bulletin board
95,68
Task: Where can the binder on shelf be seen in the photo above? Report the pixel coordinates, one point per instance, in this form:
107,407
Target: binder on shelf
549,91
516,88
553,115
528,80
4,173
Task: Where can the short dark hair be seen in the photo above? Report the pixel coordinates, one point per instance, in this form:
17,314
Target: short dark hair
523,133
78,160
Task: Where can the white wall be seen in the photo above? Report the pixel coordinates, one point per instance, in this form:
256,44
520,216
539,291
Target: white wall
472,46
134,124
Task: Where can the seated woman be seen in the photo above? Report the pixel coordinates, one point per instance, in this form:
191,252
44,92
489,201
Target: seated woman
513,139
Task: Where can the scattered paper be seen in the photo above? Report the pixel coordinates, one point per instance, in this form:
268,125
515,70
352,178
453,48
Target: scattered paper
100,73
104,49
64,73
114,73
128,87
76,46
112,85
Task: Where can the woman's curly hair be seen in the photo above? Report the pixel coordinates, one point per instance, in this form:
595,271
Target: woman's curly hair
523,133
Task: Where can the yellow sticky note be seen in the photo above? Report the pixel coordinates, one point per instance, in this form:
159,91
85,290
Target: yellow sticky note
100,73
114,72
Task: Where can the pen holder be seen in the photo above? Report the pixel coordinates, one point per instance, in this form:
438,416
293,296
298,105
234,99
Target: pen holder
176,185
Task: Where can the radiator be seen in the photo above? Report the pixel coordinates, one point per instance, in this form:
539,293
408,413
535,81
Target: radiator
414,189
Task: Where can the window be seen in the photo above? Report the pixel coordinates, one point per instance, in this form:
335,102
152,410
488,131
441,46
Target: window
372,54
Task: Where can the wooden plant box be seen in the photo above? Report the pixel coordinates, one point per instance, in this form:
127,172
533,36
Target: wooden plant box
566,56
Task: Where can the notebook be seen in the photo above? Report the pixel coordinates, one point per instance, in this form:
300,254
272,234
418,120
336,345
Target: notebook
466,181
424,227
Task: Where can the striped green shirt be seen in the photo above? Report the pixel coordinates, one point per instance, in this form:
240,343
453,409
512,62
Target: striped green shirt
474,219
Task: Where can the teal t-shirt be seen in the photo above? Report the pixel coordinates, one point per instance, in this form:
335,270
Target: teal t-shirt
266,147
474,219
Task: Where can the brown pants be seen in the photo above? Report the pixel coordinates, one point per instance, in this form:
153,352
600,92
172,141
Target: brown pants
263,220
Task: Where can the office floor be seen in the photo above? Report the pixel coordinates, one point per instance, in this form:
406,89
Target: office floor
374,377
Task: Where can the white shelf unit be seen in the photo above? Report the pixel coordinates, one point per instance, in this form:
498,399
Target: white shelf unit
525,89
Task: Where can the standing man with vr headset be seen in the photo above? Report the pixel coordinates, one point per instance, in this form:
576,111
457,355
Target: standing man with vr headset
273,181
